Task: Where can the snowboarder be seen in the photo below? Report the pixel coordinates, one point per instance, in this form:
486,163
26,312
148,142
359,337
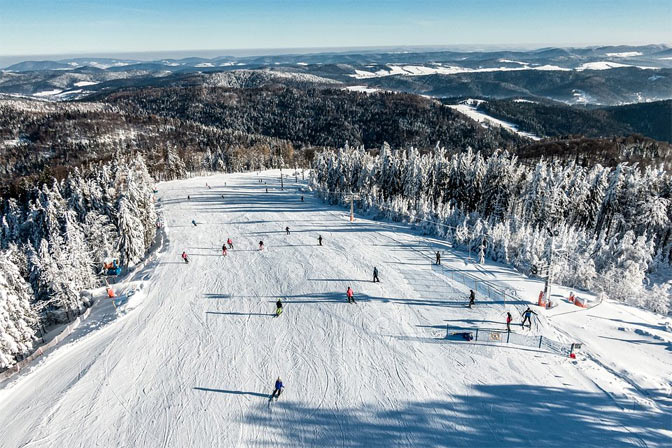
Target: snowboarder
278,389
278,308
527,317
185,257
350,295
509,318
438,257
472,298
261,245
230,243
287,230
319,239
224,250
375,275
193,221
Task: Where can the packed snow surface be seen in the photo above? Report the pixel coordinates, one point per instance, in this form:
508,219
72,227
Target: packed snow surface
194,363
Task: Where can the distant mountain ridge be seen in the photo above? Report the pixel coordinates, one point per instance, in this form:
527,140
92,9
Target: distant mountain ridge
610,75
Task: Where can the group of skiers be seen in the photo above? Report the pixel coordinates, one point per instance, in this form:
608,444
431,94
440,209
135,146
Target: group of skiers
527,314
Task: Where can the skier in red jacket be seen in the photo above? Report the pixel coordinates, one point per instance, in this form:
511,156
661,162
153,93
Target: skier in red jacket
350,295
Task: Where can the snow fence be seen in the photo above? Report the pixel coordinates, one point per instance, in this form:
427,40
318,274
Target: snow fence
16,368
504,337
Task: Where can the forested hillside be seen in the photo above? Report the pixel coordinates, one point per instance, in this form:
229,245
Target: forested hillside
551,119
319,117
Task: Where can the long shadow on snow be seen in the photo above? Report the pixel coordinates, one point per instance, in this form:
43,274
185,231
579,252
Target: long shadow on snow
232,392
239,314
485,416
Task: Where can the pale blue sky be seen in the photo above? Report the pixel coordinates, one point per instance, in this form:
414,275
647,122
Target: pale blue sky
63,26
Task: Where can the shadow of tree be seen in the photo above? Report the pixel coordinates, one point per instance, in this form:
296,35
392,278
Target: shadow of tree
488,416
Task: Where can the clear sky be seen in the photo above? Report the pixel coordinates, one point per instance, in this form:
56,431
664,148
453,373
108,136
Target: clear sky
42,27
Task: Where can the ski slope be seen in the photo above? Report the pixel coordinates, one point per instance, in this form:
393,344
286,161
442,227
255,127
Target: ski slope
194,361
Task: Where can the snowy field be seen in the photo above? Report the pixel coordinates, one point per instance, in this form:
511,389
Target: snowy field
194,361
486,120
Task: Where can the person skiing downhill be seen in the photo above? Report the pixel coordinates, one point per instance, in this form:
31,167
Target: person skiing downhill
278,308
350,295
224,252
472,298
188,198
287,230
278,389
509,318
527,317
319,239
375,275
438,257
230,243
301,198
261,245
185,257
193,221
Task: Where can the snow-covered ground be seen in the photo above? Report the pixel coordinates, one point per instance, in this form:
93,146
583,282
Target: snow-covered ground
468,109
194,363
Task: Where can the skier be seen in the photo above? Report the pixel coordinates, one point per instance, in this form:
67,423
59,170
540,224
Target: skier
287,230
350,295
301,198
527,317
206,184
472,298
193,221
278,308
185,257
509,318
222,196
319,239
278,389
110,293
261,245
375,275
438,257
266,189
224,250
188,198
230,243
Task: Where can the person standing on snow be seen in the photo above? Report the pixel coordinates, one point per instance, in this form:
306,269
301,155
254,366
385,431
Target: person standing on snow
319,240
472,298
438,257
350,294
287,230
261,245
509,318
230,243
278,389
193,221
375,275
301,198
278,308
527,317
185,257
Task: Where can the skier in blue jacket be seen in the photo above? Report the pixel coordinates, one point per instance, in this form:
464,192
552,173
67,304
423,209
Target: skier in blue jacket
278,389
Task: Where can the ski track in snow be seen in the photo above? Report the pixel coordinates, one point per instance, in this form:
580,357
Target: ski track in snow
194,364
